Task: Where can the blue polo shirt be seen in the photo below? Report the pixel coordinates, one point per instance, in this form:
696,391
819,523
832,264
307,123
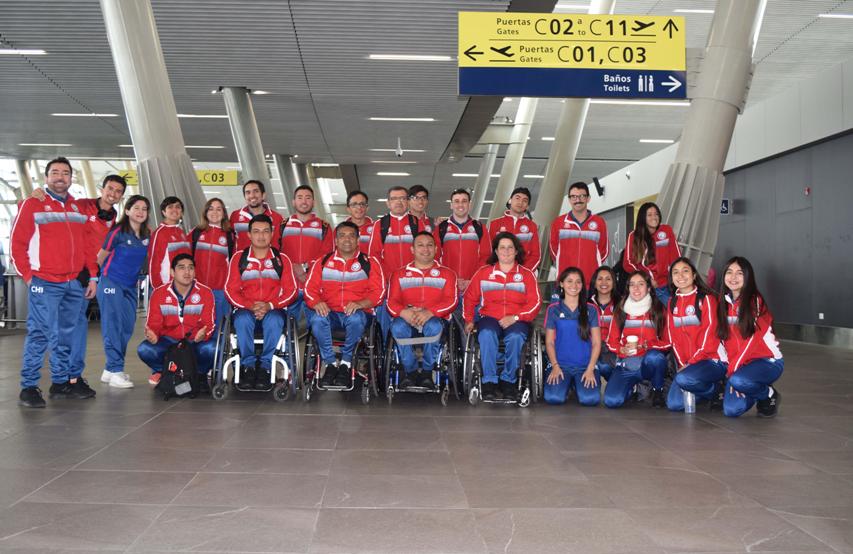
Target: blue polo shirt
126,258
571,350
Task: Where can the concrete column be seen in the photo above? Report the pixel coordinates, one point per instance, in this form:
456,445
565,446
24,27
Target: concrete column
247,138
514,155
487,165
89,179
164,167
691,193
24,178
564,149
286,170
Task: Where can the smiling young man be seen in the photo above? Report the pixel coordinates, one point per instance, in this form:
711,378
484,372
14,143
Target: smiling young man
255,195
357,207
516,220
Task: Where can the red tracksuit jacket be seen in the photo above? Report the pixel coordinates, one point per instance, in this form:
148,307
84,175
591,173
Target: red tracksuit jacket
433,288
337,282
461,249
501,294
211,257
666,252
305,242
641,326
693,339
605,316
364,232
48,239
396,250
259,282
166,318
762,344
167,241
96,228
526,231
582,245
240,223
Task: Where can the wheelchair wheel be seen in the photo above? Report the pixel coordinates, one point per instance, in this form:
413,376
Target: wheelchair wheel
219,391
450,364
281,391
471,353
222,351
445,394
388,368
365,393
537,374
374,358
294,358
309,368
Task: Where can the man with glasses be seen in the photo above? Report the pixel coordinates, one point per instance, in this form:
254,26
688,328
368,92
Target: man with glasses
391,241
418,203
357,205
579,238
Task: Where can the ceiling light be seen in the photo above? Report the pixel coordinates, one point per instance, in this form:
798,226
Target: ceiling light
382,200
548,139
393,150
507,99
562,6
214,91
19,52
204,146
836,15
473,175
281,207
534,176
488,201
260,92
686,10
642,102
390,162
84,115
41,144
109,158
401,118
324,165
393,174
657,141
410,57
201,116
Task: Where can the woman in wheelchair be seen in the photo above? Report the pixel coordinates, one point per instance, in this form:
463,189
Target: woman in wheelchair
421,297
573,343
509,300
637,337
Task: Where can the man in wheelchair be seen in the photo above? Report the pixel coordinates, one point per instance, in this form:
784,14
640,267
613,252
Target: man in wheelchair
421,296
259,285
341,291
508,297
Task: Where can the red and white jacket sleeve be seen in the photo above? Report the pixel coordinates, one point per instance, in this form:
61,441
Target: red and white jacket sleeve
154,320
234,284
22,233
708,345
449,297
376,282
532,261
554,239
314,284
288,290
396,304
156,251
534,301
471,298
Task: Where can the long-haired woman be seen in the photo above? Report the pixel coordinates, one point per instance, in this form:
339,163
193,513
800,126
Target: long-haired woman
691,325
604,297
745,325
636,336
212,244
121,258
651,247
573,343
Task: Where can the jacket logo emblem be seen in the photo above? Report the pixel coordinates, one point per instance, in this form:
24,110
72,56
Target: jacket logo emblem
407,228
690,310
48,209
315,224
223,241
195,298
75,208
517,277
661,235
268,264
92,218
428,228
593,225
145,242
434,272
356,266
523,228
168,300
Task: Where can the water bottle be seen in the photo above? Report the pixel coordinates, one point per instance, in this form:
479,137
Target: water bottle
689,402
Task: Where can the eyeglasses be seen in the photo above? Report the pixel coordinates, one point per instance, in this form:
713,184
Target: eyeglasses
419,197
576,197
397,198
358,204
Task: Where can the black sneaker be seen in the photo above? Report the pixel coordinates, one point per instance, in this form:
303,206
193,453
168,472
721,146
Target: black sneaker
82,389
329,375
489,391
203,383
408,380
262,379
769,406
343,378
31,398
658,399
425,380
716,403
509,390
247,376
61,390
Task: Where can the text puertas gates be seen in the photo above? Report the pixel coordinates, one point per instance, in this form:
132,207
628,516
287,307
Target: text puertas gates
589,56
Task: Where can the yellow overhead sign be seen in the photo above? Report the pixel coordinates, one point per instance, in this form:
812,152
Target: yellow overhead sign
206,177
576,41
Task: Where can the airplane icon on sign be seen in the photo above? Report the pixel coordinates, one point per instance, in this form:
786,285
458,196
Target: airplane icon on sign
503,51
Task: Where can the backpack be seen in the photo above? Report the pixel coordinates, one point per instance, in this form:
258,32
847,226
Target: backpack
385,225
442,229
276,260
180,373
621,276
362,259
196,233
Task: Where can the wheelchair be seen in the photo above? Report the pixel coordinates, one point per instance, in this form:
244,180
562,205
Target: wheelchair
530,372
284,379
366,359
444,376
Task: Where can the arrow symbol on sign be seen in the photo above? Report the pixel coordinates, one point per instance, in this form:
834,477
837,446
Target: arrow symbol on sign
471,52
670,26
503,51
672,83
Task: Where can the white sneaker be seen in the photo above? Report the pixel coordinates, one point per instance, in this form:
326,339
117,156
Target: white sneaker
121,380
106,376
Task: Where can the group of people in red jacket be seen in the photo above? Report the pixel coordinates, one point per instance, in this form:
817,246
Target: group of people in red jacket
407,270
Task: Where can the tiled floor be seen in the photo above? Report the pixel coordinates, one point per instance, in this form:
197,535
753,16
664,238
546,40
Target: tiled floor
129,472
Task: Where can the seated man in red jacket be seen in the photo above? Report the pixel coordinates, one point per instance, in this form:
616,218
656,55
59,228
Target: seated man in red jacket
422,296
342,288
259,285
180,309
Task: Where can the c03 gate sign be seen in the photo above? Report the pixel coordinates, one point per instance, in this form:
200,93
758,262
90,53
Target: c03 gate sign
598,56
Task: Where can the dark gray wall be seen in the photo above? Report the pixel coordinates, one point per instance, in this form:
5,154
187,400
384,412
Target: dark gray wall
617,219
801,246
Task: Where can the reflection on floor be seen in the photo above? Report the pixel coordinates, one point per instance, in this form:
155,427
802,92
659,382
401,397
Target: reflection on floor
130,472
